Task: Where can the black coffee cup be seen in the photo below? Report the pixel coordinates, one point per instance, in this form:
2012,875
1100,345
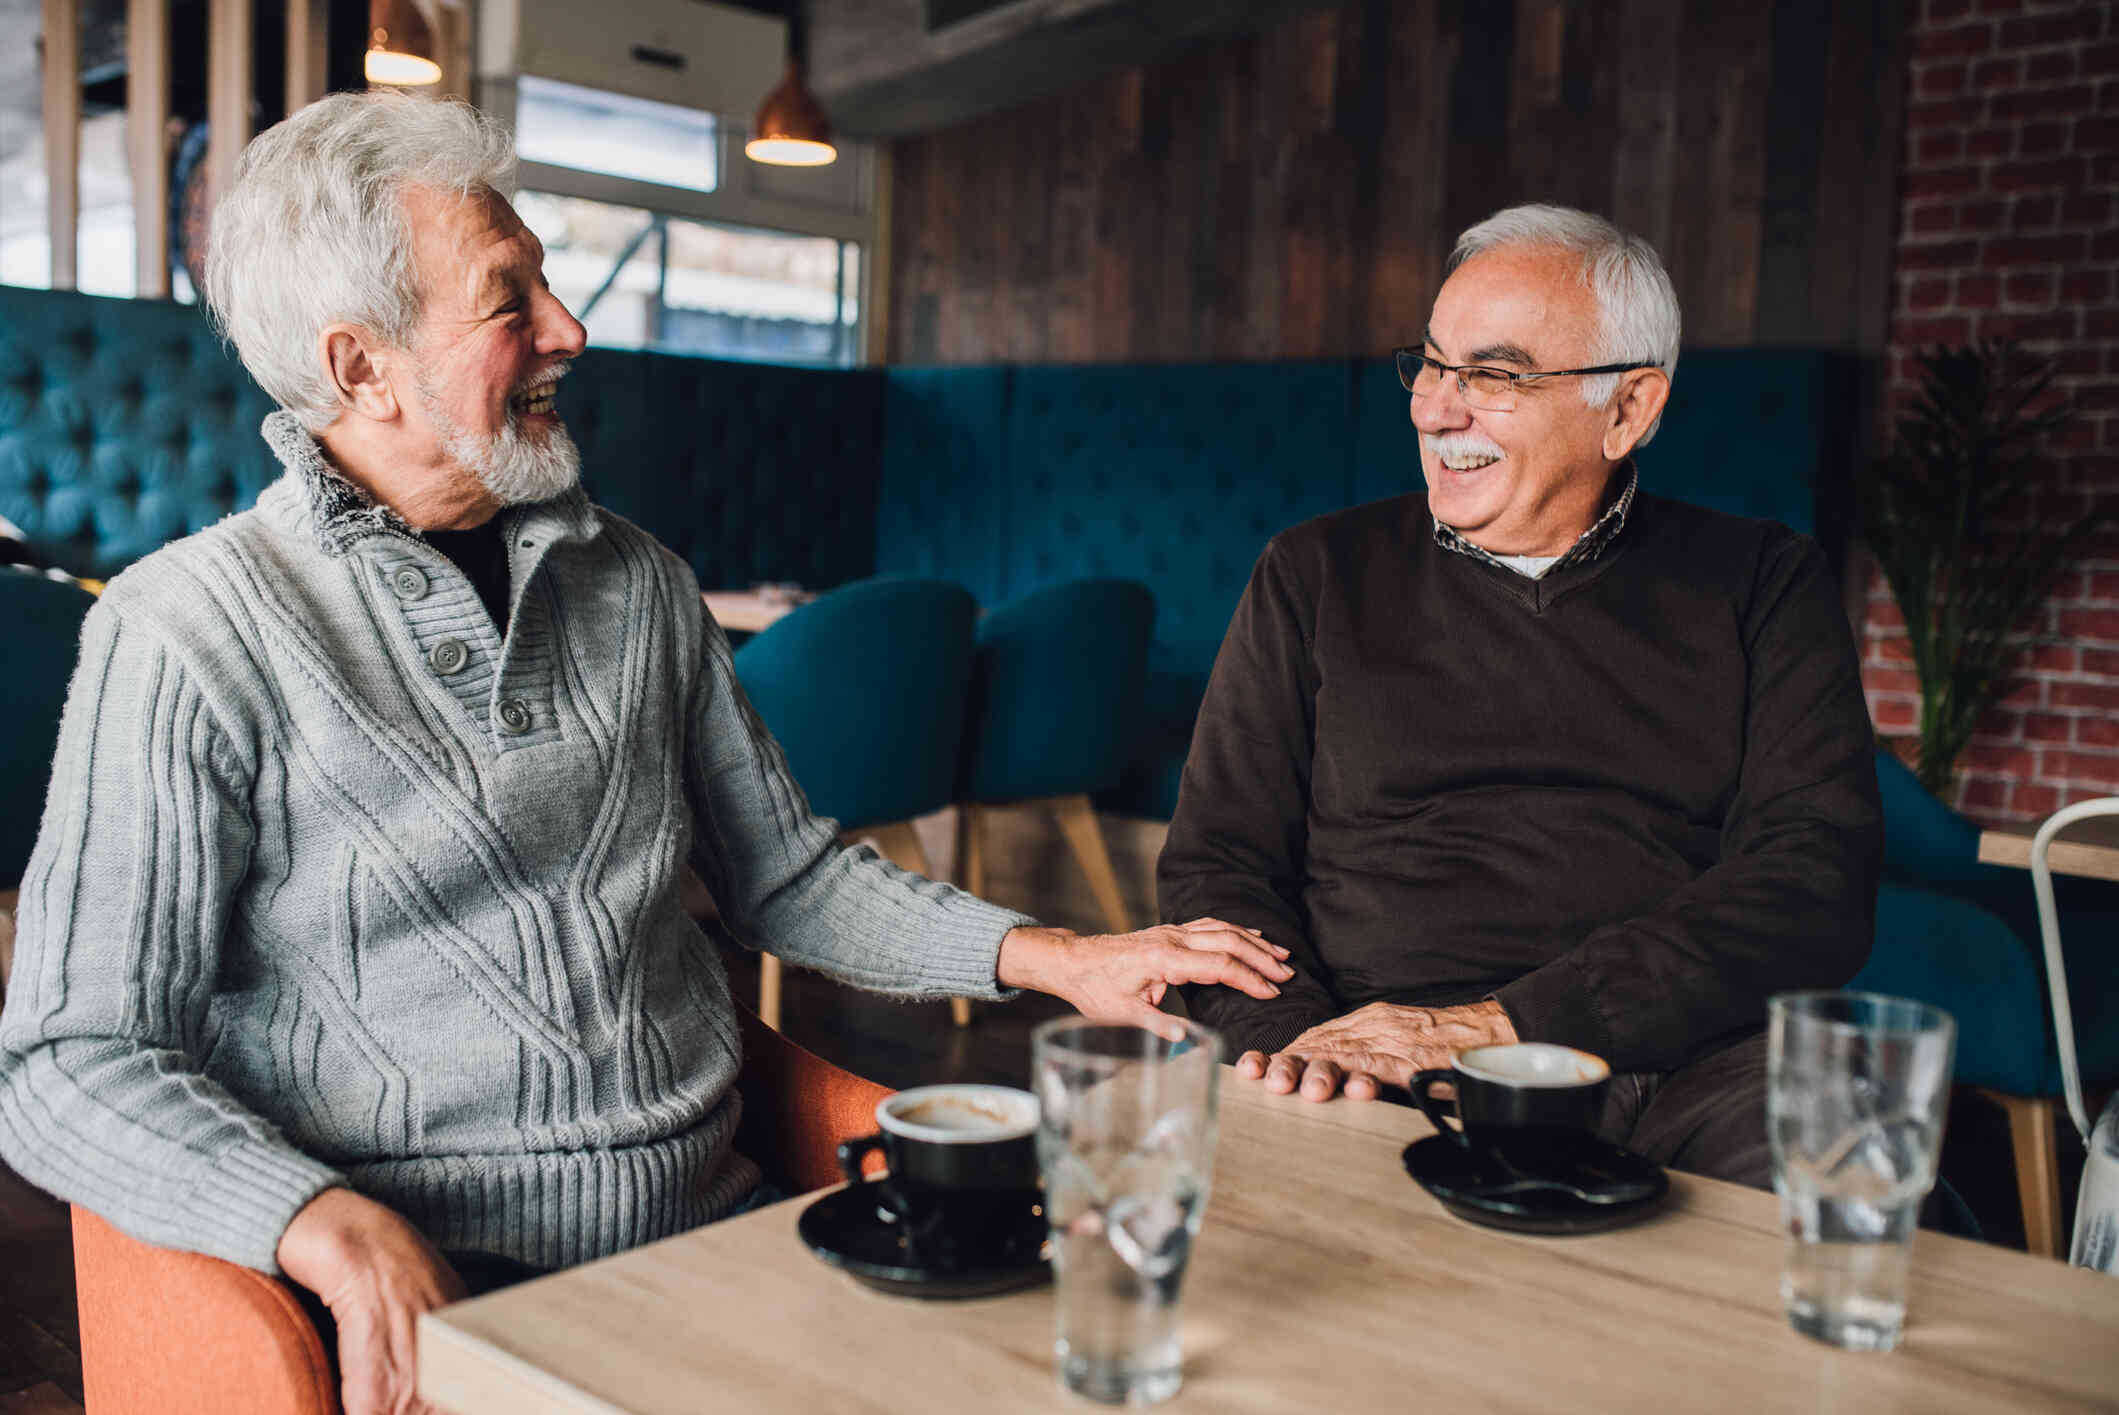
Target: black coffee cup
963,1177
1520,1086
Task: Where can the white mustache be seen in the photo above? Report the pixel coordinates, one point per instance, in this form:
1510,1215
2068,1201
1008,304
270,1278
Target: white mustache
1460,444
546,376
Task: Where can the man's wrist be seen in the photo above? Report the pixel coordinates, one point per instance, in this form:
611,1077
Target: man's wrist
1500,1027
1030,957
326,1236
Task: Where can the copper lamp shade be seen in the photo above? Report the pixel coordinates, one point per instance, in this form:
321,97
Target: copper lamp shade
790,129
400,45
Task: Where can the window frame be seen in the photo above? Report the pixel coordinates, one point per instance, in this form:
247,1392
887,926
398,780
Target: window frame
735,202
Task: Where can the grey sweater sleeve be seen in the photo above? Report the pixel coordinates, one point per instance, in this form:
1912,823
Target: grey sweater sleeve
103,1101
784,882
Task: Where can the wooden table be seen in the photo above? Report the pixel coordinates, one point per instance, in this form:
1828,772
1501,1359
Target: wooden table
748,611
1324,1280
2088,847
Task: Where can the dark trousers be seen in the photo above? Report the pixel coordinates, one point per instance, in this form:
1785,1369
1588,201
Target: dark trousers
1706,1117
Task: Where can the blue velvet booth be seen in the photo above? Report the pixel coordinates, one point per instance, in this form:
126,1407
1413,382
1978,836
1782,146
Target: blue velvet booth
124,423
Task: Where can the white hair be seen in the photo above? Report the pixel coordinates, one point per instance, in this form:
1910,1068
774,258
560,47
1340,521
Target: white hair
1637,309
314,230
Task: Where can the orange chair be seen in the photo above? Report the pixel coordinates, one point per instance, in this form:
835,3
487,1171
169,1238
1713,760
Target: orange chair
171,1333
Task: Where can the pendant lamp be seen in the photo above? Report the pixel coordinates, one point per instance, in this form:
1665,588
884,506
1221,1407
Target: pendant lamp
791,129
400,45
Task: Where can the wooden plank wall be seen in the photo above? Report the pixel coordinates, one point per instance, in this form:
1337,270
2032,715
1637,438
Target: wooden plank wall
1294,193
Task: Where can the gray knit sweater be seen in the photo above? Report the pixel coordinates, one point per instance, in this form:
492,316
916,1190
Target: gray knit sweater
337,885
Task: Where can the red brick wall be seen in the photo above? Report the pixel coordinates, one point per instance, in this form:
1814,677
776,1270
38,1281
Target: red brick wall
2009,227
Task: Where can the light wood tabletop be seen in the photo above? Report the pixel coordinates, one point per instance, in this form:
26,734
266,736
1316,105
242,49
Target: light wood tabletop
749,611
1324,1279
2088,847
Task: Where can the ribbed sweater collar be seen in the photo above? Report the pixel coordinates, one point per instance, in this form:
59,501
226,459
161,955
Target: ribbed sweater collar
312,497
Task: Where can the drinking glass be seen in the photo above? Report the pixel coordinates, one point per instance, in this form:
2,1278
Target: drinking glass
1856,1089
1126,1142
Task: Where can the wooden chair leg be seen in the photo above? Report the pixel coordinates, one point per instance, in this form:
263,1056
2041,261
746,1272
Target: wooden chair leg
971,848
1077,821
769,990
971,875
8,898
2031,1129
900,844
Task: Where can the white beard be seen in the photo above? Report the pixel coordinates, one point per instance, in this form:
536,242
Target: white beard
515,468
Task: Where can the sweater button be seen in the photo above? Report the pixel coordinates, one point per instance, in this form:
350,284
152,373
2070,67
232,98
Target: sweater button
409,582
449,656
514,717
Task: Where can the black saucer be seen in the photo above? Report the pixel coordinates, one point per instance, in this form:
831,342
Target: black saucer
849,1229
1525,1180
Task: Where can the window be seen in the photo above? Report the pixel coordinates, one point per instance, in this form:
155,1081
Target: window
659,234
590,130
646,280
104,244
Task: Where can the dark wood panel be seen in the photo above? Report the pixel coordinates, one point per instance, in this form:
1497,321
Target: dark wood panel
1295,192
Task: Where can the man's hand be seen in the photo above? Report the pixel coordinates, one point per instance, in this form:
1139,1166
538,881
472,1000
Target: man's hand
1380,1044
376,1273
1122,977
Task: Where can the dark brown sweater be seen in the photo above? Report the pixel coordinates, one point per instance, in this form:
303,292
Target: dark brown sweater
1630,800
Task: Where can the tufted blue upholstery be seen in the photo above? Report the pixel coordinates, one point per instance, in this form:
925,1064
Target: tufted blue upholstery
749,471
123,424
1386,445
1761,432
1055,704
865,688
1173,475
126,423
43,619
945,477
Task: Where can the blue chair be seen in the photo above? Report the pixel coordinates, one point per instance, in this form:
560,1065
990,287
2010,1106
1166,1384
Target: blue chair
43,618
865,690
1965,937
1056,714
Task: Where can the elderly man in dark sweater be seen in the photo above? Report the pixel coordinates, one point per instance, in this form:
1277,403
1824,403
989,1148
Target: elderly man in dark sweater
1537,755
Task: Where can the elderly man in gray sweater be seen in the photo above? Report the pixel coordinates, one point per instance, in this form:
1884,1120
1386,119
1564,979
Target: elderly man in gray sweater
352,935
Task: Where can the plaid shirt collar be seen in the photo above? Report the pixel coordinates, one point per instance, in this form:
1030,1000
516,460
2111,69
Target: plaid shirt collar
1591,544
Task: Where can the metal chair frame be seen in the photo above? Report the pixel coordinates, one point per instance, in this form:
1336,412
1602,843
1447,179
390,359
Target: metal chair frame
2055,964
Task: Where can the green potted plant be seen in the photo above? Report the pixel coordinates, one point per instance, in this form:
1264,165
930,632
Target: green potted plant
1949,519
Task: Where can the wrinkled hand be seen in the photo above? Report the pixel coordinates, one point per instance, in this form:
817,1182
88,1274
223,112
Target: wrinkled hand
1123,977
376,1273
1373,1046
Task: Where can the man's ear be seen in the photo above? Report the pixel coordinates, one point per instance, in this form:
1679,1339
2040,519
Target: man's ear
352,361
1642,394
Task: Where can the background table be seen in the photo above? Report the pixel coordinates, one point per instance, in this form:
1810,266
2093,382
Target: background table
2089,847
748,611
1324,1280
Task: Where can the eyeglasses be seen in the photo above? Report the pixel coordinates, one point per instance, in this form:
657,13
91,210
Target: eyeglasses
1484,387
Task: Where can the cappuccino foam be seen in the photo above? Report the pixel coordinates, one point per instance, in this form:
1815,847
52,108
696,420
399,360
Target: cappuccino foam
959,1113
1533,1064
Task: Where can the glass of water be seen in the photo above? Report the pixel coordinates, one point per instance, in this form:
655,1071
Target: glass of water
1857,1086
1126,1142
